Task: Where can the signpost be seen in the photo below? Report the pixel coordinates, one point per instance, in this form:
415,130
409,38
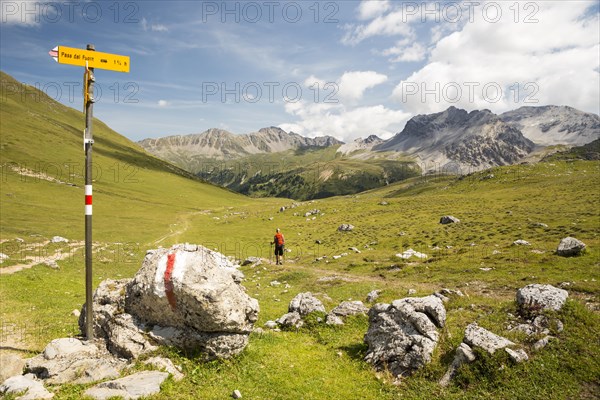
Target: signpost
89,59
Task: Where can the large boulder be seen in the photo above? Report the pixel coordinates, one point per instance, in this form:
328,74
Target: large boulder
186,296
403,335
534,298
346,308
569,247
189,286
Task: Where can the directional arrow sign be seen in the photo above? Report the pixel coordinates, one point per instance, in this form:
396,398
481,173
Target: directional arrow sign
94,59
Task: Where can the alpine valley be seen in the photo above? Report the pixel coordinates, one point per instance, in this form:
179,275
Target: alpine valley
275,163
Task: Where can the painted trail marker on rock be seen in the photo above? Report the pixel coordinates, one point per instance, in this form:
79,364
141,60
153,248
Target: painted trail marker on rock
89,59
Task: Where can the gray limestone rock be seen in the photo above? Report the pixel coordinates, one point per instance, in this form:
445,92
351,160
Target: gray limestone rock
291,320
403,335
141,384
464,354
33,388
476,336
189,286
350,308
449,219
569,247
305,303
535,297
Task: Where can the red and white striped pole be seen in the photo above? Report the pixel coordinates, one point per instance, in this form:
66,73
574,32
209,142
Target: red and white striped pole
88,141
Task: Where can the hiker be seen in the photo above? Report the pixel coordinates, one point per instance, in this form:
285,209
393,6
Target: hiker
279,242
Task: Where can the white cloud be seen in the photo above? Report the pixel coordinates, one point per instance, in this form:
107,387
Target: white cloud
352,85
163,103
146,26
405,53
369,9
557,58
342,118
395,23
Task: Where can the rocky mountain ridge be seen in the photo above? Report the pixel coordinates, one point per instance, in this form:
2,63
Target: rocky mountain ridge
220,144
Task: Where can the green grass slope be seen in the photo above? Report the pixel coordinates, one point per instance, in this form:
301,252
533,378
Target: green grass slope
305,174
477,256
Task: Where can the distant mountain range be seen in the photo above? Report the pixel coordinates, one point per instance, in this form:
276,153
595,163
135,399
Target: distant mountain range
453,141
223,145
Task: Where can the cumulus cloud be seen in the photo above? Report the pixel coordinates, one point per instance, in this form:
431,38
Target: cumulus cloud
352,85
163,103
369,9
343,119
510,63
403,52
395,23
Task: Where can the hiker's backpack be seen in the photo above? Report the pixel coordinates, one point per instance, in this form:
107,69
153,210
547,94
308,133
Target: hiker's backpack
279,239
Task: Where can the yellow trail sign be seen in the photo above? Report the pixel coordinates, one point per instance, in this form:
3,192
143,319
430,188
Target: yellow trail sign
94,59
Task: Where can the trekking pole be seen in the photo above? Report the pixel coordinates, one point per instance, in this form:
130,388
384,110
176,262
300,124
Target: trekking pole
271,254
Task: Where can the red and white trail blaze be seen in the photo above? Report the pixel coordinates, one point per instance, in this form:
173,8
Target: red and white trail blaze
171,269
88,199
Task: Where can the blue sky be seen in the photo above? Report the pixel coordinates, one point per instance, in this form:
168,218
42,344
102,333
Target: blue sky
343,68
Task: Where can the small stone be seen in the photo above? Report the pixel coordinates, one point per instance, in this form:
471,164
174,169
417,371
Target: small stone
373,295
59,239
76,313
521,242
333,319
449,219
270,324
411,292
517,356
540,344
236,394
570,247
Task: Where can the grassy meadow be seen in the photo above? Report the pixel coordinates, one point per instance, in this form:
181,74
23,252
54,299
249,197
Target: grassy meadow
141,203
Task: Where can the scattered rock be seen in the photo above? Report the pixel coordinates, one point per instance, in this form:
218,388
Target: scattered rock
25,383
540,225
305,303
543,342
166,365
11,365
271,324
347,308
570,247
411,292
141,384
464,354
252,261
383,203
449,219
275,283
291,320
354,249
318,242
534,298
345,228
373,295
451,292
402,336
59,239
68,360
333,319
236,394
3,257
76,313
521,242
282,209
476,336
411,253
517,356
